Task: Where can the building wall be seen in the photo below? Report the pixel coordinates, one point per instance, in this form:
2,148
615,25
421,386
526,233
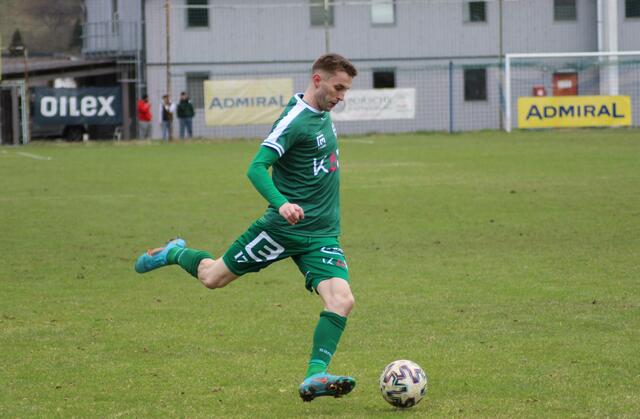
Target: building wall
112,30
431,29
243,42
629,30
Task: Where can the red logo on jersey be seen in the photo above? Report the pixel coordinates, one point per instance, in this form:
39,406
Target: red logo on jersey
319,166
333,162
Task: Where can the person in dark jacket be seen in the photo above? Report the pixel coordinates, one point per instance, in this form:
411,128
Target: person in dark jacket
185,115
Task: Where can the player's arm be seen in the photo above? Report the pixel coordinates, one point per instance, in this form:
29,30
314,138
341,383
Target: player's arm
258,173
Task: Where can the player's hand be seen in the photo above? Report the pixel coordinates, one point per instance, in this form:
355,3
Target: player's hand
291,212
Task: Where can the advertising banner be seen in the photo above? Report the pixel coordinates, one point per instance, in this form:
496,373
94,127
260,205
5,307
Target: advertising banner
574,111
376,104
87,105
245,102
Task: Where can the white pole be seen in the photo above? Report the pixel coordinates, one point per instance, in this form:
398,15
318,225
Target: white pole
600,32
507,92
611,45
572,54
599,24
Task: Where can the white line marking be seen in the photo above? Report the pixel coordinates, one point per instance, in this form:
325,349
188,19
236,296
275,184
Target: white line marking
359,141
33,156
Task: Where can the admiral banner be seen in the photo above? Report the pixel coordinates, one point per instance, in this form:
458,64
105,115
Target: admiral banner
376,104
89,105
574,111
245,102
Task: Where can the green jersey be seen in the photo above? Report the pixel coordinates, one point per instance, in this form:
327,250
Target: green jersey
307,170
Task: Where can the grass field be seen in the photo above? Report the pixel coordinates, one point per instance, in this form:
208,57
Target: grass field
506,265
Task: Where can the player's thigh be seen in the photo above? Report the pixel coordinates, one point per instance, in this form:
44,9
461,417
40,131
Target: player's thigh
256,249
324,260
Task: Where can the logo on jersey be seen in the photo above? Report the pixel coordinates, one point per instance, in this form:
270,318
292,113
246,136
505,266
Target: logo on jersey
321,141
327,164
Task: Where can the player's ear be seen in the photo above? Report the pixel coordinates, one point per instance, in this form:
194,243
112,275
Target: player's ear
316,78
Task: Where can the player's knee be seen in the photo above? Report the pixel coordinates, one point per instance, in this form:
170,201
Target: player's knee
342,303
349,302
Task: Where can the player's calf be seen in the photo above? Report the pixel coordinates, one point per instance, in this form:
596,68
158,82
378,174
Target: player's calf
214,273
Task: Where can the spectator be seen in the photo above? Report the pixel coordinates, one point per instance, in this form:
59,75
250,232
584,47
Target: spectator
167,110
144,117
185,115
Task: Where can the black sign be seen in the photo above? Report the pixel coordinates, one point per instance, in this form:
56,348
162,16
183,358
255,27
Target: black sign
87,105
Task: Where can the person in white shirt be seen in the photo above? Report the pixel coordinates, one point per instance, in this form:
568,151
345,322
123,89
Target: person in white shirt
167,111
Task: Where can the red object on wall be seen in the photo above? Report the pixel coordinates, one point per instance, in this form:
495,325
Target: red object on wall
539,91
565,84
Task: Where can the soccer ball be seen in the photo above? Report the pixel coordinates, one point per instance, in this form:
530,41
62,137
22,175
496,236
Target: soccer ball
403,383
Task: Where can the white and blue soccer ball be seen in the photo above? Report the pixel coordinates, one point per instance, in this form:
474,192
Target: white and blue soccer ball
403,383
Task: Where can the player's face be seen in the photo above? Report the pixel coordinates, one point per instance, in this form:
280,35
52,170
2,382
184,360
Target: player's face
331,88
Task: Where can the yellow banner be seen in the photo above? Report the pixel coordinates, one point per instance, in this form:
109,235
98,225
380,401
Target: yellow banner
245,102
574,111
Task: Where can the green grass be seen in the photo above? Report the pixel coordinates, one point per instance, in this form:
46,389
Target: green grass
506,265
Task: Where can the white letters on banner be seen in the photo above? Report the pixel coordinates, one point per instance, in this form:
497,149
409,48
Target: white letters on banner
69,106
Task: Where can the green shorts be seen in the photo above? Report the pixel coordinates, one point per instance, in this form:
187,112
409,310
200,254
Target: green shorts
318,258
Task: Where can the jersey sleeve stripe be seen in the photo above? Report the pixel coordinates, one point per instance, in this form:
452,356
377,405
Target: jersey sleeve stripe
274,146
272,139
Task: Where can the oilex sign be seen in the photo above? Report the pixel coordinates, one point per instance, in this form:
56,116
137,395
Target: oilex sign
77,106
88,106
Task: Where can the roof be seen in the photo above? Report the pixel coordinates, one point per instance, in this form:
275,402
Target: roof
14,67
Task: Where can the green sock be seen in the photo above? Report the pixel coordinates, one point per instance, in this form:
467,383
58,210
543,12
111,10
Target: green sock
188,259
325,341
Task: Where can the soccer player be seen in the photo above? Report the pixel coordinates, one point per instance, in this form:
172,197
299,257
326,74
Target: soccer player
302,220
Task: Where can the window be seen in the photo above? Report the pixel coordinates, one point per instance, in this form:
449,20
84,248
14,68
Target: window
318,13
382,12
632,8
198,16
475,84
564,9
195,88
475,11
384,79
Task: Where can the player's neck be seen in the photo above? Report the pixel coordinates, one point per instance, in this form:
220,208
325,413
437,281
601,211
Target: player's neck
310,99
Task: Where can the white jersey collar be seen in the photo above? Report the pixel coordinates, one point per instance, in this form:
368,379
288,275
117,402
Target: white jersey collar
301,102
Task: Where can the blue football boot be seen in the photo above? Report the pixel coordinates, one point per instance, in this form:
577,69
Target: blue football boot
324,384
156,258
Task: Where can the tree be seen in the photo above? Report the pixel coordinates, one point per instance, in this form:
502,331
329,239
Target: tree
16,46
54,13
75,43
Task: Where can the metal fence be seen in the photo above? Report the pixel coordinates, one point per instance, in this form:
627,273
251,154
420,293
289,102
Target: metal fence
449,51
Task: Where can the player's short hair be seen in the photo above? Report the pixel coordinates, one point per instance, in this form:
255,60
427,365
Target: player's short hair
332,63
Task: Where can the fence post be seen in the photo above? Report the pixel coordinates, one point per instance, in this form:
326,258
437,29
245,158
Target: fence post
15,115
450,97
